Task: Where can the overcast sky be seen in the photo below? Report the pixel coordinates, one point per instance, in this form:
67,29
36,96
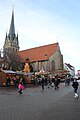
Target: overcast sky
41,22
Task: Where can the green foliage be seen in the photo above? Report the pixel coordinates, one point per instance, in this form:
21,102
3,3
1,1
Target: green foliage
27,59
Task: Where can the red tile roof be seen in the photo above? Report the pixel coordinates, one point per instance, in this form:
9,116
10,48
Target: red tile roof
38,53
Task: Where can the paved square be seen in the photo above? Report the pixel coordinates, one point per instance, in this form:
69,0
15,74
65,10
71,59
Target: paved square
35,104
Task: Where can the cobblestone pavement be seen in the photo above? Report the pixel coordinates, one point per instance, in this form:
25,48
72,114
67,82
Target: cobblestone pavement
35,104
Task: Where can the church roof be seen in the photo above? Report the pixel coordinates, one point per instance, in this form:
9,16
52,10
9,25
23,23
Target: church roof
38,53
12,27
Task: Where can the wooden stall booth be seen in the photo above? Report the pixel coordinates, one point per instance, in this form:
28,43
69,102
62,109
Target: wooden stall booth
3,76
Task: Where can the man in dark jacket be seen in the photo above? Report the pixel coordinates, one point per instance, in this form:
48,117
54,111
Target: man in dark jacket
56,82
75,86
42,82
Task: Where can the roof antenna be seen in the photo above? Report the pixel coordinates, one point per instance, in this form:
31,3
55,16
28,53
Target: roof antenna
57,38
12,5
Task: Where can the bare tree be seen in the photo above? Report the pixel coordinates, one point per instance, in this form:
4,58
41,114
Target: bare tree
13,61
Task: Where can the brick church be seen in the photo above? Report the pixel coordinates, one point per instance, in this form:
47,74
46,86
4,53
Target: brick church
48,57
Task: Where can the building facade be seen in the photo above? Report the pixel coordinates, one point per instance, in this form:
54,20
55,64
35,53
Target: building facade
70,69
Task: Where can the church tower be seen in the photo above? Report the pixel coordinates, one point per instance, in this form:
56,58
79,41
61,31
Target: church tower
11,43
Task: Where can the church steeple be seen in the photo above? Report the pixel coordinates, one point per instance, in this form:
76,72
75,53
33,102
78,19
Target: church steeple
12,27
11,43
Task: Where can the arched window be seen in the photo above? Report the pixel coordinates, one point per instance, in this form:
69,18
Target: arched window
53,65
13,49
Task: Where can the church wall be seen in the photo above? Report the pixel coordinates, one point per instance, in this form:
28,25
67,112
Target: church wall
55,62
40,65
58,60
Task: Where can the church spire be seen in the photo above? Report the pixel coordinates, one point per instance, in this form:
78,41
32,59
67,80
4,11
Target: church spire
11,43
12,27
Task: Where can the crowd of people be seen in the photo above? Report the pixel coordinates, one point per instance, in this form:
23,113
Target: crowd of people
49,81
42,80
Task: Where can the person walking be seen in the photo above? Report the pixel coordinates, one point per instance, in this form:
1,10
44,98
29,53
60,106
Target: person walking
75,85
15,81
20,86
57,81
42,82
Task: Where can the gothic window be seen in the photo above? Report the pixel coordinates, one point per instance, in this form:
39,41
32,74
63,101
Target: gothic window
8,49
9,43
13,49
53,65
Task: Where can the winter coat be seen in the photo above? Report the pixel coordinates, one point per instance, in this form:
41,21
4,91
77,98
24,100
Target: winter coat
75,84
20,86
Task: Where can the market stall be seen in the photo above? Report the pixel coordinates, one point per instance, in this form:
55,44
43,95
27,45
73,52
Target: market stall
3,76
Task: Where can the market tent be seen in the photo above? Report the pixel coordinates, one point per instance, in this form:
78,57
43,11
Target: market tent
9,71
3,76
